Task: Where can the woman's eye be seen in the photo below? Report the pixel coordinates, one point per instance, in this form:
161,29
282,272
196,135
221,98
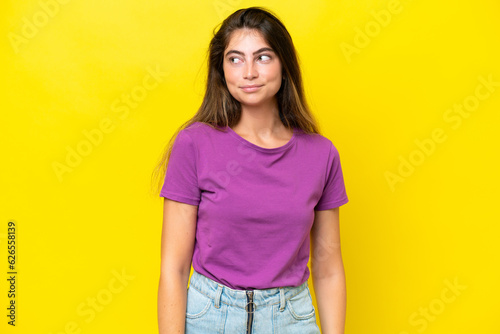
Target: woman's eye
234,60
265,57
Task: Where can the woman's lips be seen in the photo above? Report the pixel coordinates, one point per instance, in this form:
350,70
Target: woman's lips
250,88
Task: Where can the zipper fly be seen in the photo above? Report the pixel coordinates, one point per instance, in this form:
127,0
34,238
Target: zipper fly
250,310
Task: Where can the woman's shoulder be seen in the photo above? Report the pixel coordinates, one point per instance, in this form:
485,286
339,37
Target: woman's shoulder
201,132
200,128
316,140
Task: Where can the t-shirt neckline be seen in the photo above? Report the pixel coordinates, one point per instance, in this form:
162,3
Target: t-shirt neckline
264,149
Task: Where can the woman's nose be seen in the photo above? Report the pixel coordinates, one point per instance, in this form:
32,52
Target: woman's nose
250,71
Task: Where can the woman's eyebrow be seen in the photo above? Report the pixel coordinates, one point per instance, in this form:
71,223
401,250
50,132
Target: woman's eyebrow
256,52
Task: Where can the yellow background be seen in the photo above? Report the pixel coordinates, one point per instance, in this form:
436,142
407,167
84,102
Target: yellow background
403,244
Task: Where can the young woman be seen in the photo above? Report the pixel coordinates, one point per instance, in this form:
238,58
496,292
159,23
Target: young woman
250,185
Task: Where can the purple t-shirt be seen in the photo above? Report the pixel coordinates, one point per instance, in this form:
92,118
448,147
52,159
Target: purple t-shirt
255,205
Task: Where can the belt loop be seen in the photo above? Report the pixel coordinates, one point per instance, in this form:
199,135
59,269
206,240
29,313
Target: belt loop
218,296
282,298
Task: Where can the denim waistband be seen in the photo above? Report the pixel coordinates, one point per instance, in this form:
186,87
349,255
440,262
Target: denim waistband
238,298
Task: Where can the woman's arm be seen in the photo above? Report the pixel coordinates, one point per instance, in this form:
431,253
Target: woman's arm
177,242
327,271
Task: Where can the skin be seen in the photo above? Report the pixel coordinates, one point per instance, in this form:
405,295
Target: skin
327,271
249,60
177,243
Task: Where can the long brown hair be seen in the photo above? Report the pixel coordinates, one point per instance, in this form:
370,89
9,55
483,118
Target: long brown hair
219,108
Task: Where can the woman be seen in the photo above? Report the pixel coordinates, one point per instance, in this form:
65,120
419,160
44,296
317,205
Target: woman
250,183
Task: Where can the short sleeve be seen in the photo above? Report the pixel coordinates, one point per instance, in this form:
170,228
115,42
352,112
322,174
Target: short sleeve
334,192
181,180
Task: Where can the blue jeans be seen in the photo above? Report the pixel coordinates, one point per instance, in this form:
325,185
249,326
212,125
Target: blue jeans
216,308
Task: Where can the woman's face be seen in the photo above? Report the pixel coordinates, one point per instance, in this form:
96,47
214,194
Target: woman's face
251,68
